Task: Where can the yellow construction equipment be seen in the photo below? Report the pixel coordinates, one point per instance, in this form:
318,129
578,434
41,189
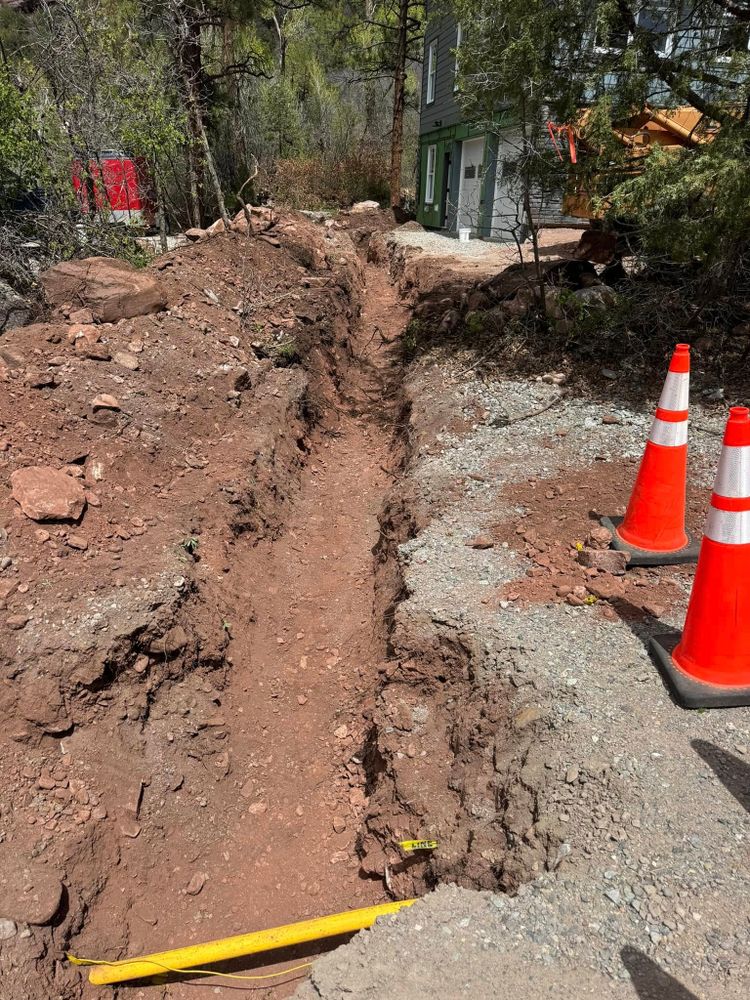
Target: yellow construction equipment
672,129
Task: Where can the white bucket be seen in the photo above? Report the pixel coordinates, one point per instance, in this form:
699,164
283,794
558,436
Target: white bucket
464,235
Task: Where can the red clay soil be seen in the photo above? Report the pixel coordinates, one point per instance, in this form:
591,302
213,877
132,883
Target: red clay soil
559,514
182,673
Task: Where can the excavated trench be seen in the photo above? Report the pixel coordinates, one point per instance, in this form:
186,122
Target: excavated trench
329,727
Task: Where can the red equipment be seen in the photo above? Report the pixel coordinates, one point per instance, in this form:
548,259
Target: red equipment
120,187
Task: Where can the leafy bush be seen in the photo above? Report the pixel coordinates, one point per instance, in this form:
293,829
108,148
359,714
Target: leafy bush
317,182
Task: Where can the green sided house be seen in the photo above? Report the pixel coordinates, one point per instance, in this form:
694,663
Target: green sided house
461,182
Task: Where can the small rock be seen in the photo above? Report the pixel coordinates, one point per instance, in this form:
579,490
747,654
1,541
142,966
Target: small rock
257,808
141,664
126,360
614,896
301,699
599,538
364,206
611,418
7,929
40,380
481,541
341,732
339,824
571,775
17,622
105,402
653,609
577,597
129,828
526,716
29,893
610,560
607,587
77,542
81,316
247,789
195,884
170,643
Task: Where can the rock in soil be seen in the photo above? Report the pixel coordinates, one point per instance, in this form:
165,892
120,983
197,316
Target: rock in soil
111,289
46,494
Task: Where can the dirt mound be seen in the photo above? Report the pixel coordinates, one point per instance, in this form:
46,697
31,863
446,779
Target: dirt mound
185,430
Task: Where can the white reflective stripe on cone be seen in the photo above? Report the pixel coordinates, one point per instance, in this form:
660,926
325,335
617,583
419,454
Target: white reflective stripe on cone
733,474
669,433
676,391
729,526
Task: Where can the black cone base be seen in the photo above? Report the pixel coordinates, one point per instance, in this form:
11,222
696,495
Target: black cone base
642,557
689,692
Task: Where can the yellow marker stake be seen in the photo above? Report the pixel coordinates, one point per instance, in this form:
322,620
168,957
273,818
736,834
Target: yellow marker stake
418,845
236,947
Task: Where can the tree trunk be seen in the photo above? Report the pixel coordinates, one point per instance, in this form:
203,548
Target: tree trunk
212,172
188,56
528,152
227,58
160,212
399,97
193,177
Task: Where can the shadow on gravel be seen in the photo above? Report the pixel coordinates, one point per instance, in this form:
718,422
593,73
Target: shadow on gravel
650,981
644,628
733,773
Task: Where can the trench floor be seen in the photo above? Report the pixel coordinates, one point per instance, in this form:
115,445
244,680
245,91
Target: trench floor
300,681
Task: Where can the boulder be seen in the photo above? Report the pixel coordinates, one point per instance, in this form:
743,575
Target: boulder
112,289
29,893
216,227
15,310
47,494
597,297
364,206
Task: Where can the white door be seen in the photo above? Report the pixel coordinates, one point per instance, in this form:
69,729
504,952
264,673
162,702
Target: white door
507,207
470,187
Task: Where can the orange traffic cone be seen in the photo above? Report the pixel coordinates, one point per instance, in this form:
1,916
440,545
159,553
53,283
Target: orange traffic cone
653,529
709,665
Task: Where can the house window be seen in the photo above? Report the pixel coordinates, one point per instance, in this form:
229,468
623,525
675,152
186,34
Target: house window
656,19
429,184
611,36
431,70
459,40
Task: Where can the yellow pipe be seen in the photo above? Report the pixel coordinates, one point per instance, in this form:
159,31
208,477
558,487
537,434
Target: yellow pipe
242,944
